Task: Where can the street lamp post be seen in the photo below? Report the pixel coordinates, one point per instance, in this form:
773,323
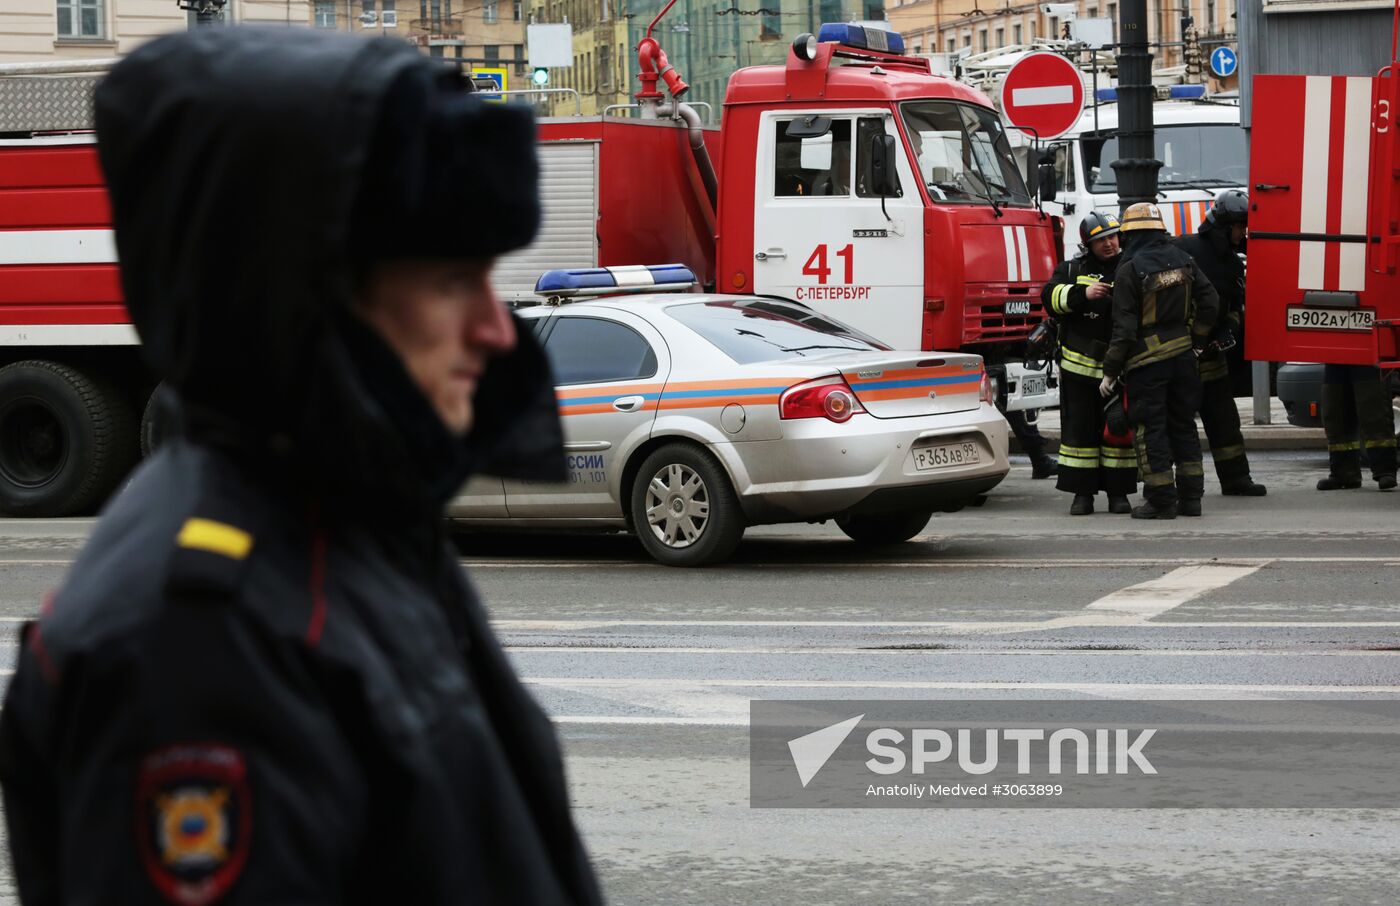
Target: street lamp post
1137,168
206,12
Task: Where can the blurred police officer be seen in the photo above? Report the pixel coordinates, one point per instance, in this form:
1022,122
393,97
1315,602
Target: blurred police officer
1164,311
1079,297
1216,246
266,679
1357,415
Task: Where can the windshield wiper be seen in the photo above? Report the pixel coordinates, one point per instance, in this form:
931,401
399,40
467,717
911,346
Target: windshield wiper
845,348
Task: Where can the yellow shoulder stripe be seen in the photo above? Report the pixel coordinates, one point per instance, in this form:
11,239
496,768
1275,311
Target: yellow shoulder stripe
215,537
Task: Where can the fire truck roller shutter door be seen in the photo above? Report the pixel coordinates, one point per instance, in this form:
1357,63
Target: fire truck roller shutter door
66,439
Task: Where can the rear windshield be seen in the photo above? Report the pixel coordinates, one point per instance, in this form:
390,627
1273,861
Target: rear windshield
767,330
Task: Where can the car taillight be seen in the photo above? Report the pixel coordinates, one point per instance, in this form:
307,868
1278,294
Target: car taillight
828,397
988,393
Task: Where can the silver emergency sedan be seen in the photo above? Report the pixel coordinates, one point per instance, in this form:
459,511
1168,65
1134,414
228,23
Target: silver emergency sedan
689,417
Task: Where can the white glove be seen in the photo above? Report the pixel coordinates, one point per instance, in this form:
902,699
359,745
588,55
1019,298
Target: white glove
1106,387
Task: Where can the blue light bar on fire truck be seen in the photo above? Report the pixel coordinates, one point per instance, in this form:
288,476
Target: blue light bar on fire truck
612,281
861,37
1174,93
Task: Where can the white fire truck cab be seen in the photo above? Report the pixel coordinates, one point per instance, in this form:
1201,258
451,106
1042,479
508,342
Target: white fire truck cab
1200,144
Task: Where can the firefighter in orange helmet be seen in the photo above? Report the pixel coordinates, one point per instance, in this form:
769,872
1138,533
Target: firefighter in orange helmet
1164,311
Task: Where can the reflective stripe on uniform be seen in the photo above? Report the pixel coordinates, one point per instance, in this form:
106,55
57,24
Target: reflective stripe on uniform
1158,351
1059,298
1117,458
1079,457
1214,370
1158,479
1190,468
1379,444
1342,448
1228,452
1079,363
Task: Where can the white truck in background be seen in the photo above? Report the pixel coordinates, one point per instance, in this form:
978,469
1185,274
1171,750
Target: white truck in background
1199,142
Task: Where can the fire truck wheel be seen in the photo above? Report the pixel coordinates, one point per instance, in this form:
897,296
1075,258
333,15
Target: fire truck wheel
155,421
683,507
895,528
66,440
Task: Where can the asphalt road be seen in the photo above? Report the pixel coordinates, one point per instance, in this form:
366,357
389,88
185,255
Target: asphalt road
649,672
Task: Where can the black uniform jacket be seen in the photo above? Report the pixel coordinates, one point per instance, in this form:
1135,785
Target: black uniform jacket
1084,322
266,680
1210,247
1163,304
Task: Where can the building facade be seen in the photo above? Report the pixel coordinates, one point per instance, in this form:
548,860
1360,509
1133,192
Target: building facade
485,34
603,65
950,26
33,31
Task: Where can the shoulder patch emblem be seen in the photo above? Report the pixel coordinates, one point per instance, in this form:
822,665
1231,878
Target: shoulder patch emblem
193,820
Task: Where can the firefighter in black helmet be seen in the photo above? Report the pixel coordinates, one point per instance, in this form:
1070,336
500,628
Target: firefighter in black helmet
1079,297
1216,246
1164,312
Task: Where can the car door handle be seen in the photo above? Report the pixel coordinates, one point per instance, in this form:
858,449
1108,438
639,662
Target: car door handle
587,446
628,403
1270,187
770,255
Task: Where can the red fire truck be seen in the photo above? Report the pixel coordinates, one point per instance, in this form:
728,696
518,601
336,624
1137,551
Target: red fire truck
851,178
1324,235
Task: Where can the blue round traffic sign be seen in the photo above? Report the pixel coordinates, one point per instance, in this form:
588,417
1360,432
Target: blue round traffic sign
1224,62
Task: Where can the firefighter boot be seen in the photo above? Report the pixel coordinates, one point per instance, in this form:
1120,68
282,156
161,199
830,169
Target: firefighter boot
1043,466
1339,483
1189,506
1243,487
1083,505
1385,482
1118,504
1149,510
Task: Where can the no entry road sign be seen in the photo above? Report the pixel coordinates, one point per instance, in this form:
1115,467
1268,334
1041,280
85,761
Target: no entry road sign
1043,94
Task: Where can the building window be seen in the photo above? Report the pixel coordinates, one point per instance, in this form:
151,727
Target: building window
1016,33
605,68
80,19
967,40
488,11
982,40
515,10
1113,14
492,54
1210,16
1054,27
388,16
1001,37
952,45
325,13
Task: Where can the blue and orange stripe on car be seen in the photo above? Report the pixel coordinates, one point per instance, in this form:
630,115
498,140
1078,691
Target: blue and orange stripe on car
708,394
914,383
596,400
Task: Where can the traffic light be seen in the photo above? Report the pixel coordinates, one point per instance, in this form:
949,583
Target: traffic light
541,76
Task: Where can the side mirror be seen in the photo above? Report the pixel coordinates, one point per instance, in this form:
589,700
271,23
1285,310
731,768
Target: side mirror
881,178
1044,178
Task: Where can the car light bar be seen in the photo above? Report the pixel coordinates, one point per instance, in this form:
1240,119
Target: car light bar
610,281
861,37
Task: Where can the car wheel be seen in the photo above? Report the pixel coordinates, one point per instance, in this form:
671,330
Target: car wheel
683,508
895,528
66,440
